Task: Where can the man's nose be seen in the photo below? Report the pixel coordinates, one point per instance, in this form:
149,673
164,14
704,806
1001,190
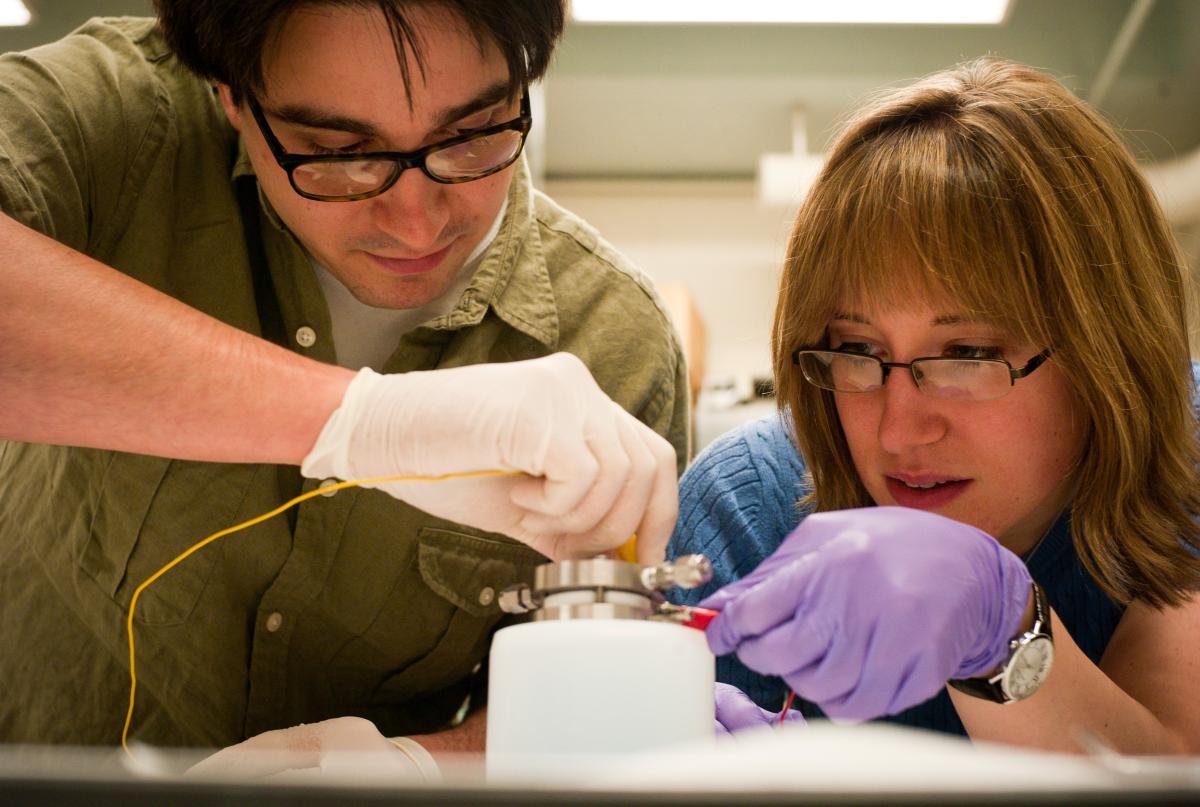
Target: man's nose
414,211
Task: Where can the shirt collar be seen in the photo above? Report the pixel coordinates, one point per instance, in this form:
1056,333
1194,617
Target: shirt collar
512,280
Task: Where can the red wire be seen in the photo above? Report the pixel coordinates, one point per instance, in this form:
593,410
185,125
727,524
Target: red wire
699,618
787,705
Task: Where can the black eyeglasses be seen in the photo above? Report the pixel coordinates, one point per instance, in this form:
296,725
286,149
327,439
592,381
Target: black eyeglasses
350,177
939,376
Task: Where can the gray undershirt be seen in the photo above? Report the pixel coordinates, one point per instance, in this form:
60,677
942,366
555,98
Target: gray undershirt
365,336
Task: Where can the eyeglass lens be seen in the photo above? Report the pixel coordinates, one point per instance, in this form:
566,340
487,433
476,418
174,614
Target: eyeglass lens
469,160
954,379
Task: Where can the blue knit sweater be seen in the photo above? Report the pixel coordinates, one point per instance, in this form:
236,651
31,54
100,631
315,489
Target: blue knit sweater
737,502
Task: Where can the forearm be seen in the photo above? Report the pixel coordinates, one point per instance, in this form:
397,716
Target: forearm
1076,696
93,358
469,737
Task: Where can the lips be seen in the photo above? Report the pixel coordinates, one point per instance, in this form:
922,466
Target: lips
925,491
411,266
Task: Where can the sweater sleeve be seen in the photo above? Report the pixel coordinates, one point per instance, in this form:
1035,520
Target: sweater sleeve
737,501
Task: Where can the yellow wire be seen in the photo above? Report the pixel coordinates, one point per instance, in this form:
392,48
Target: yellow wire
258,520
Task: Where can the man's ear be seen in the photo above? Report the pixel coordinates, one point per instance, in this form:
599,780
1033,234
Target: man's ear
232,111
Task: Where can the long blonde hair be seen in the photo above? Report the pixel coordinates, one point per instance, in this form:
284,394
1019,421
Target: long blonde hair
993,183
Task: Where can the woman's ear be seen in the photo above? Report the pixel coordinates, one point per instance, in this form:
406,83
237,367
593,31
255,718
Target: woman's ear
232,111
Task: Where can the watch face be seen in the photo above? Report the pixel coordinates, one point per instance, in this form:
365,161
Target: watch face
1028,668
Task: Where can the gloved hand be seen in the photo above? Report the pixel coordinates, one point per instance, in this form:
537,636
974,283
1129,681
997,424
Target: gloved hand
348,748
596,474
868,612
736,712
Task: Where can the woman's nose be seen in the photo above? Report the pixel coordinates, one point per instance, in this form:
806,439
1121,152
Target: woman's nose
909,417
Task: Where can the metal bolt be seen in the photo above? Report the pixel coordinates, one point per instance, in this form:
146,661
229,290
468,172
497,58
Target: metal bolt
519,599
686,571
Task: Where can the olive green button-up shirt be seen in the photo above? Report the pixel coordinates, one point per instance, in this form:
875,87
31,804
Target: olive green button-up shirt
351,604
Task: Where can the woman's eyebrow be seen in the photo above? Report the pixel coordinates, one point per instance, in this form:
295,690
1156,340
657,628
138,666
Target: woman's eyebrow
850,316
940,320
956,319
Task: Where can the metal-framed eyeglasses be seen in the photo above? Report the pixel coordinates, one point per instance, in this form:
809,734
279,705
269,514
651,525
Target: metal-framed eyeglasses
939,376
351,177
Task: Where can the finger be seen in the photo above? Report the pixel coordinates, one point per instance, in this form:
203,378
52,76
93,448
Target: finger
897,674
794,716
766,570
249,761
623,518
578,441
813,536
662,511
570,473
824,665
789,648
615,465
771,602
736,711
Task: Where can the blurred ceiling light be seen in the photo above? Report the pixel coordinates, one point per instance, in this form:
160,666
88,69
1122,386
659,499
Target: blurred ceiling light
908,12
784,179
13,12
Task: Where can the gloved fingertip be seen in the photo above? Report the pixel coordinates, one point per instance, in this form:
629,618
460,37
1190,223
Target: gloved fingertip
716,601
719,641
546,496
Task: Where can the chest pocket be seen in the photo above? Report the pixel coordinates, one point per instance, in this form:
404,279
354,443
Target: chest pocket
440,616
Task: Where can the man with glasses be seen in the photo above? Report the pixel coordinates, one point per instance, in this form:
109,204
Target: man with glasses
345,180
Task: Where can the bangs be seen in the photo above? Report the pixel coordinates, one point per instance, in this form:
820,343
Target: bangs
917,213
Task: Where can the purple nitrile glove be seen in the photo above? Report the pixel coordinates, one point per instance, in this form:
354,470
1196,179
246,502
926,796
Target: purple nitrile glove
735,711
868,612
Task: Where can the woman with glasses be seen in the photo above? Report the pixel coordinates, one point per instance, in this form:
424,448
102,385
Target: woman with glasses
976,511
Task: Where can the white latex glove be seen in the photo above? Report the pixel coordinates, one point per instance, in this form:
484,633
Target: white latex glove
345,748
596,474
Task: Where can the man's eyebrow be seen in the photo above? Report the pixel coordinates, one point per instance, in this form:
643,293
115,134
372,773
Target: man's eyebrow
489,97
309,117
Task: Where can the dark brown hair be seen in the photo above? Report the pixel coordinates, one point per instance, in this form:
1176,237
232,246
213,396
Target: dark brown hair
993,184
224,40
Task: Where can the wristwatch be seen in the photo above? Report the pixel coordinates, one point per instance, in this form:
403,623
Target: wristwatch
1029,658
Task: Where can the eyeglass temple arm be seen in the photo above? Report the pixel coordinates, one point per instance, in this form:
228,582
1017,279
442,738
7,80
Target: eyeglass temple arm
1031,365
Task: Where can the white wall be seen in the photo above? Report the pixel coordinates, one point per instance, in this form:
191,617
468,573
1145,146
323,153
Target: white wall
713,237
726,247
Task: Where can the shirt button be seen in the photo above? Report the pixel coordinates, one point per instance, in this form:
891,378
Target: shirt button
274,621
326,483
306,336
487,595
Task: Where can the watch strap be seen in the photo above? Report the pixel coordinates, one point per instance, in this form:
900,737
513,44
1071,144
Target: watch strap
991,688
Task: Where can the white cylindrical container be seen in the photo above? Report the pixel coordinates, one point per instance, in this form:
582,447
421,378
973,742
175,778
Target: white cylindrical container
562,693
